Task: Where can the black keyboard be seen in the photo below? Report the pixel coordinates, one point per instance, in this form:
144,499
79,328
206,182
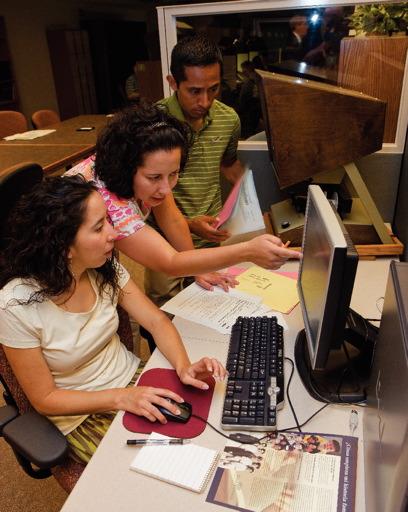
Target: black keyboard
255,386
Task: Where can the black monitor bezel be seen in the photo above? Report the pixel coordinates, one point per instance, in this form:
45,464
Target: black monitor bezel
338,292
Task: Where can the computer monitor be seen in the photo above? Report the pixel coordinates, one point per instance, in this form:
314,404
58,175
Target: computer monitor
333,351
386,415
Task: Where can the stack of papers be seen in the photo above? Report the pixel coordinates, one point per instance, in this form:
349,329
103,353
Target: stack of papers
241,214
217,309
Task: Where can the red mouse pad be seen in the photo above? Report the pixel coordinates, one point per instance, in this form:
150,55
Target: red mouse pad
200,401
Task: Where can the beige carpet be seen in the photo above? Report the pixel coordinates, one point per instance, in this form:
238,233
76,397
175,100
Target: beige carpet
18,491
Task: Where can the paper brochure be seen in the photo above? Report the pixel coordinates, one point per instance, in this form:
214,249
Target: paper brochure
241,214
290,472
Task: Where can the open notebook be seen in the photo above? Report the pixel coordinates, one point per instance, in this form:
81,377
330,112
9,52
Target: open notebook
188,465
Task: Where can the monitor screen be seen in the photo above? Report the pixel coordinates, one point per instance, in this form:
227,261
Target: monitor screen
326,277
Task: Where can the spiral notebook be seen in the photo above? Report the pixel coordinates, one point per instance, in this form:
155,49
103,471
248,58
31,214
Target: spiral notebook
188,465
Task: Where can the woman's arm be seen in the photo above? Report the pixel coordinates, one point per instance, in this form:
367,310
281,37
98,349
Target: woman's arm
173,224
167,338
176,229
150,249
34,376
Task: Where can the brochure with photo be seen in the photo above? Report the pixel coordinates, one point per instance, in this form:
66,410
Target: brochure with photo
287,472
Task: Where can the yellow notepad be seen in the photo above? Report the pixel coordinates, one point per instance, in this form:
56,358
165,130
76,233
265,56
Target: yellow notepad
188,465
278,292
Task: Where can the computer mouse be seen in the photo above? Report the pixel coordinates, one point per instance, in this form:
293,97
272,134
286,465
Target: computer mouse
185,411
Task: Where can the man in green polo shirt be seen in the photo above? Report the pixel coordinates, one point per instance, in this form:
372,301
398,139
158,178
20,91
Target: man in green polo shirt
196,68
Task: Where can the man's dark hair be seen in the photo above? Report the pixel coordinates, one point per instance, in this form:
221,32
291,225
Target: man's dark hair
193,51
131,134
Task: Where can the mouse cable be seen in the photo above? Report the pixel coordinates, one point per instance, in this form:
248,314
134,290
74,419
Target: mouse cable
287,393
268,435
214,428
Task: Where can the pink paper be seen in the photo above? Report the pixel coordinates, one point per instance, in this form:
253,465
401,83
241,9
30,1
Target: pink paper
235,271
292,275
229,204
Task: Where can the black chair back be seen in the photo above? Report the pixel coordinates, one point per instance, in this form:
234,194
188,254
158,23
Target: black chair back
18,181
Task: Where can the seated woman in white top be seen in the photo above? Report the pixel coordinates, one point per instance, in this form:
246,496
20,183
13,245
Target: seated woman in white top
139,156
60,285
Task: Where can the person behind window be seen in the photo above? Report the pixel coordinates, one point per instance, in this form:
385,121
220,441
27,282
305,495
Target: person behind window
249,104
296,44
132,86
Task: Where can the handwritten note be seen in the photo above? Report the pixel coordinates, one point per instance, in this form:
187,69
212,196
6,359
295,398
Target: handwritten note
276,291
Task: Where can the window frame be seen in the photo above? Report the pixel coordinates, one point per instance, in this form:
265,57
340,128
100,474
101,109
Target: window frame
167,18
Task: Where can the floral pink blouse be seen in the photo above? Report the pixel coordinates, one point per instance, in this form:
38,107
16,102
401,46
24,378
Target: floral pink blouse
126,215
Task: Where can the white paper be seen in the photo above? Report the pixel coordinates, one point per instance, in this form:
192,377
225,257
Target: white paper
188,465
216,309
30,135
191,331
246,216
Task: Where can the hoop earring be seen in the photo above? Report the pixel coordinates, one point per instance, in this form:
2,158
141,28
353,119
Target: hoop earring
70,268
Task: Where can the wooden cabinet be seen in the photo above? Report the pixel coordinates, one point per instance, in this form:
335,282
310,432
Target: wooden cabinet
375,66
8,87
72,70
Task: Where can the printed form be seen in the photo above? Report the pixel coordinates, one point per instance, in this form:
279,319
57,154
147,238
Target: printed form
216,309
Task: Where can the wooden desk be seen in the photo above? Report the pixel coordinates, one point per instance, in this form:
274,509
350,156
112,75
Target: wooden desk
64,146
108,484
50,157
66,132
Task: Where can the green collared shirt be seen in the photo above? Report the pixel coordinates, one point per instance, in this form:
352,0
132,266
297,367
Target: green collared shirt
198,189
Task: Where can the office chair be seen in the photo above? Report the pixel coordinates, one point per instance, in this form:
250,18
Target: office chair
12,122
43,118
40,448
15,182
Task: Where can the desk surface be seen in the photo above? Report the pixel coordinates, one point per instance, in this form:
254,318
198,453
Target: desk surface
64,146
108,484
49,157
66,132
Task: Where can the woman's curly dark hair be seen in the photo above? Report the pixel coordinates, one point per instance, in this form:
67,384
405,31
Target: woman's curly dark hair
40,231
122,145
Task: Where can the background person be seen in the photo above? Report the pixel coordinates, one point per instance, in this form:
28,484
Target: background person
132,86
58,318
296,44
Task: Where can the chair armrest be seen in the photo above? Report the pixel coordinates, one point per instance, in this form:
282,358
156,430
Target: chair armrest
7,414
37,439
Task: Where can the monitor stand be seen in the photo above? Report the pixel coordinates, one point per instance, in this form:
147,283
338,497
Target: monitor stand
345,377
363,223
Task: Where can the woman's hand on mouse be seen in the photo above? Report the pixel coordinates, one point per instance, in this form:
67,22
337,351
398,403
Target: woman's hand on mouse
194,374
142,400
